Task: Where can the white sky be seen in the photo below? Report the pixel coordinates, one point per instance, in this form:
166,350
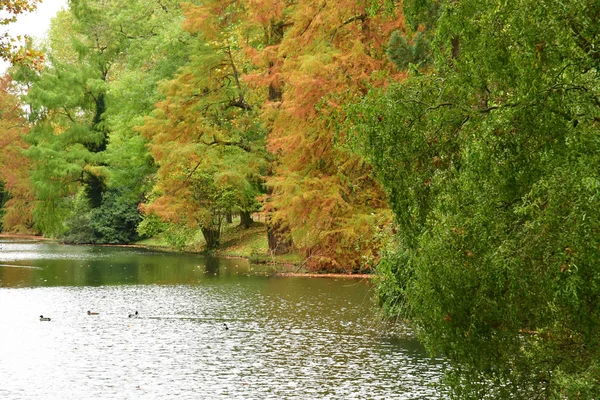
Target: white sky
34,24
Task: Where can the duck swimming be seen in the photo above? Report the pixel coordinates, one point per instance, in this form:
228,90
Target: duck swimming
92,313
133,315
42,318
225,327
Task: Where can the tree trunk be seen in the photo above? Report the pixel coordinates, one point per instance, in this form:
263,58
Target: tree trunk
94,188
279,240
275,94
455,47
228,218
212,237
245,219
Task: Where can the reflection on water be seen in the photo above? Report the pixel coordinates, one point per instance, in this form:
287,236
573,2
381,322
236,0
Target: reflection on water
289,338
26,264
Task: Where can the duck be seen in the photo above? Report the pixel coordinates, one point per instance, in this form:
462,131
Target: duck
42,318
225,327
92,313
133,315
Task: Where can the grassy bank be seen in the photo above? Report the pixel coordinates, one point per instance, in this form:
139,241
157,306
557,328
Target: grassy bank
236,242
250,243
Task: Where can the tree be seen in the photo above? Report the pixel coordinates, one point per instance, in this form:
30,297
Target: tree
318,56
67,101
18,198
84,113
132,96
205,136
489,158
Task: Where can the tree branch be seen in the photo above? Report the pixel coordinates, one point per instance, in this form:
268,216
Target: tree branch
359,17
312,19
219,142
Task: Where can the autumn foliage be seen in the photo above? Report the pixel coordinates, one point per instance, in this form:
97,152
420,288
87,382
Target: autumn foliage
204,135
317,57
14,166
204,110
13,48
271,76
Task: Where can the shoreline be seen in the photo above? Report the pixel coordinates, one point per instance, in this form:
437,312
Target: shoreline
323,275
21,236
218,254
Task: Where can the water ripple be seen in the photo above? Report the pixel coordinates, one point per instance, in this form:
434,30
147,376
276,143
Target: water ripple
288,338
178,349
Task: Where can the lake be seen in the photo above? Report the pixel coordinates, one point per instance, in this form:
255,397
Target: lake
287,337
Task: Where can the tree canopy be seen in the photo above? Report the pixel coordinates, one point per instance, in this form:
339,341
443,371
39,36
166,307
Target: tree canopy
81,131
457,138
17,192
243,98
205,135
318,56
489,157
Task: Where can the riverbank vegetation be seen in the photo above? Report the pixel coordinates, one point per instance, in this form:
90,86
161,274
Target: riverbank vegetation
452,144
171,124
490,152
236,241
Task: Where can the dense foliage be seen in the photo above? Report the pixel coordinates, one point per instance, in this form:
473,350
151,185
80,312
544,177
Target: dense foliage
320,55
475,121
204,110
92,168
205,135
17,197
490,160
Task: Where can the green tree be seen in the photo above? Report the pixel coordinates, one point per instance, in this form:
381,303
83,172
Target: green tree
67,101
134,91
490,161
85,103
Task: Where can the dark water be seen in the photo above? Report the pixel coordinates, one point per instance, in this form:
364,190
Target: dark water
288,338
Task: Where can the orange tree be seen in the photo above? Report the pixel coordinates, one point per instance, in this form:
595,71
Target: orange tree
205,135
17,197
316,57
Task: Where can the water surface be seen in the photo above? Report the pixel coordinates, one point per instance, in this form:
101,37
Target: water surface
288,338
